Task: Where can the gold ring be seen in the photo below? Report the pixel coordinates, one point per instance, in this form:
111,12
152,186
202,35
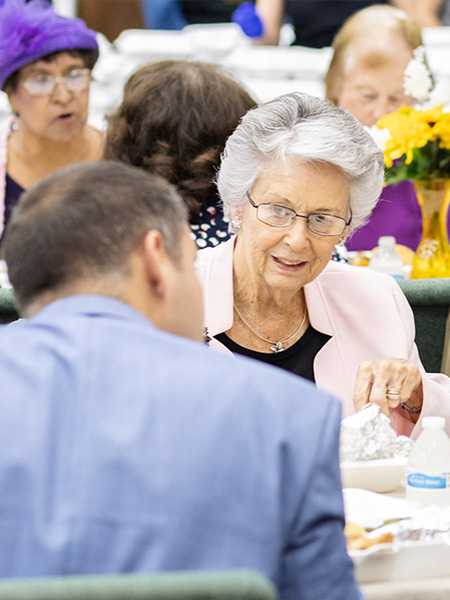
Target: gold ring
392,394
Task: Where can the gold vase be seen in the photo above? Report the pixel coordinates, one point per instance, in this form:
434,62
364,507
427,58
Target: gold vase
432,258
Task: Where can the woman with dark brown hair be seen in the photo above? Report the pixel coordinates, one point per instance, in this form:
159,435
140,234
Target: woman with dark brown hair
174,119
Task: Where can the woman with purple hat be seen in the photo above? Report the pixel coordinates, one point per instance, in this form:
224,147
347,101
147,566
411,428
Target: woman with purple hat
46,62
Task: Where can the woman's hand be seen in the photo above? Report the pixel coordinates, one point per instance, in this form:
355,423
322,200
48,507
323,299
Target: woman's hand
388,382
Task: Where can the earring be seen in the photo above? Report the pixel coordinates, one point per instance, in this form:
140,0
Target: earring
235,224
341,241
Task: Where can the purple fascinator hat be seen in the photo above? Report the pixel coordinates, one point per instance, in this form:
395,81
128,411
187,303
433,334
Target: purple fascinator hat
29,31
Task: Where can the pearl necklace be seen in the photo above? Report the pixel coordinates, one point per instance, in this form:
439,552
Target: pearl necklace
275,346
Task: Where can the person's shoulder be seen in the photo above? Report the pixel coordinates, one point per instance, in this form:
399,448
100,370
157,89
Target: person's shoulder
341,283
204,255
224,248
222,254
348,273
260,384
226,372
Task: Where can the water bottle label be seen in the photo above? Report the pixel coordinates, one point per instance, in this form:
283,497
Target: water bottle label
427,482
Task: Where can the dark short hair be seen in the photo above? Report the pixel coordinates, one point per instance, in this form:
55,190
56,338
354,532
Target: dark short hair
89,58
174,119
85,220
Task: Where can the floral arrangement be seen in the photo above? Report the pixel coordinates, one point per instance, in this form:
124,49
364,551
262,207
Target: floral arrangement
416,140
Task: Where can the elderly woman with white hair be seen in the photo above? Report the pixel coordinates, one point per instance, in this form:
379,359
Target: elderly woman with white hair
298,175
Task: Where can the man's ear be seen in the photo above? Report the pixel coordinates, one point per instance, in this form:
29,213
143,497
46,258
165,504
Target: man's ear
155,262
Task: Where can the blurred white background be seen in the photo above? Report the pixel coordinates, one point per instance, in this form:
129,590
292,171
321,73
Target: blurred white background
265,71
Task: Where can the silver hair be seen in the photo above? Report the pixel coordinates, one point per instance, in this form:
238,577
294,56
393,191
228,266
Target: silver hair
301,127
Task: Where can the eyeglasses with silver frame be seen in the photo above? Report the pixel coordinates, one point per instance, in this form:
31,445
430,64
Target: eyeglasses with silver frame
76,80
277,215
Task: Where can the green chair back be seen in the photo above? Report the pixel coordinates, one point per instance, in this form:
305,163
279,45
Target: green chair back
8,311
430,301
186,585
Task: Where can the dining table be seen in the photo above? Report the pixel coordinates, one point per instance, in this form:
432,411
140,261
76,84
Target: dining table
412,583
412,589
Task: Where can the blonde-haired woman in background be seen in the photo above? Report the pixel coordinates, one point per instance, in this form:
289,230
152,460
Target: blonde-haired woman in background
365,76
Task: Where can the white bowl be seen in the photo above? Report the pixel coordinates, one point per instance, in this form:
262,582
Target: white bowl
383,475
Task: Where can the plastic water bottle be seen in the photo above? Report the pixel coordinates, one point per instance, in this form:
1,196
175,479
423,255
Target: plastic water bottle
386,259
428,468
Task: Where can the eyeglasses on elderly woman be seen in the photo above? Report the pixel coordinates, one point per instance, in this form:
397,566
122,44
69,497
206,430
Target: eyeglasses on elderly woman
42,85
277,215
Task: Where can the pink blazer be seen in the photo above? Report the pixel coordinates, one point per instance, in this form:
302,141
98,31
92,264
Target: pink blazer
365,313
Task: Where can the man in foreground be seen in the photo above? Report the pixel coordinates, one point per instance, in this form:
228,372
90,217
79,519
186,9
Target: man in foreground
118,451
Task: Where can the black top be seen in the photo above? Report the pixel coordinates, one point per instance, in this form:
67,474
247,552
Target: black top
209,11
12,194
298,358
316,22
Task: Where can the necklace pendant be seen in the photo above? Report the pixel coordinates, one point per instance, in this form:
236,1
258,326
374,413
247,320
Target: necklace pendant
277,347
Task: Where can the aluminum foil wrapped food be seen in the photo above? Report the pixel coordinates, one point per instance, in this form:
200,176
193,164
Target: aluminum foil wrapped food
368,435
430,524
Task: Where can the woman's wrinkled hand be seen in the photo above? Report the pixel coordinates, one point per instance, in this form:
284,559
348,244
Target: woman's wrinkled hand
388,382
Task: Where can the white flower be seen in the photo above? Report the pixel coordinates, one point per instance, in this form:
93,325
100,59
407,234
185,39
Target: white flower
417,81
440,94
379,136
